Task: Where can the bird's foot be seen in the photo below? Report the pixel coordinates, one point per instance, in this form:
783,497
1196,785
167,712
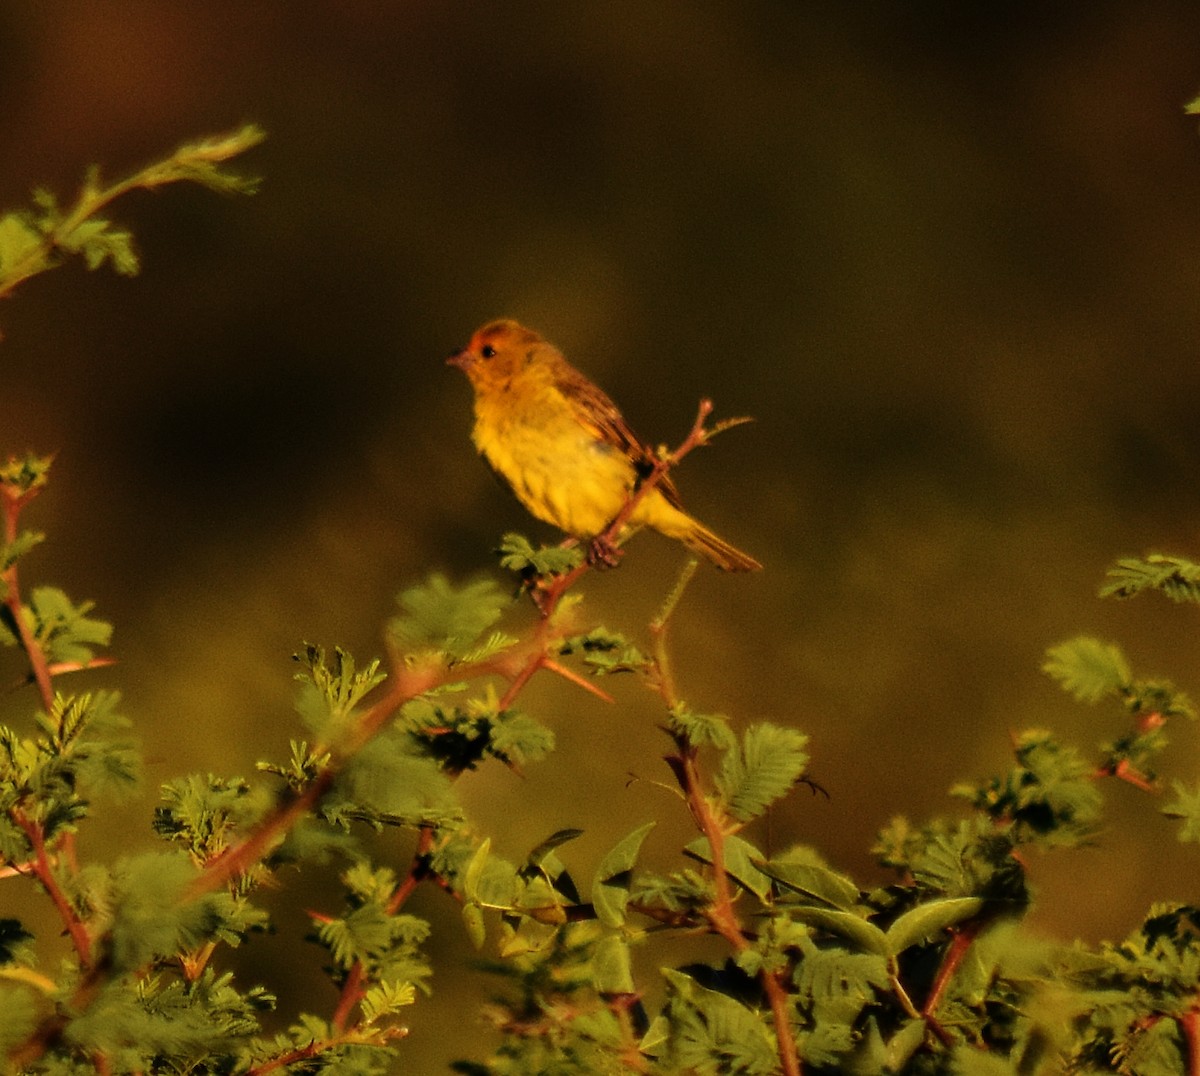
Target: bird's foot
603,552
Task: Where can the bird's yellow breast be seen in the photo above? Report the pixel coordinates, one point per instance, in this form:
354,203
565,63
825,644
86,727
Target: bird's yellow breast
552,460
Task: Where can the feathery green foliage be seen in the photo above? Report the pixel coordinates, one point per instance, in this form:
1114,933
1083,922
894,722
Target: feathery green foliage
1176,577
768,762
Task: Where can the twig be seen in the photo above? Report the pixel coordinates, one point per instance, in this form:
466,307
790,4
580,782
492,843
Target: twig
684,764
13,503
352,989
196,162
550,595
320,1046
44,871
964,937
1189,1024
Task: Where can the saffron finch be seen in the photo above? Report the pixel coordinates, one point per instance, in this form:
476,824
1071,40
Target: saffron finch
562,446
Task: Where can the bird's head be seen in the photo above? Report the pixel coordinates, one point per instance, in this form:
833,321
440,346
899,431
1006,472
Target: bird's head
500,350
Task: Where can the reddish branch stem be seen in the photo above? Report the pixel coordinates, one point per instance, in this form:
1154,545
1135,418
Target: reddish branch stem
353,989
721,914
315,1049
1189,1024
12,599
44,871
964,937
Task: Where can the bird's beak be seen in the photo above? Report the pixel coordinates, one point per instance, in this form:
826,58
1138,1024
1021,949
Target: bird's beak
462,359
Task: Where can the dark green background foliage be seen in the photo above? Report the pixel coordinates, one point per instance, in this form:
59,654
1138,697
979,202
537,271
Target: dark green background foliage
944,255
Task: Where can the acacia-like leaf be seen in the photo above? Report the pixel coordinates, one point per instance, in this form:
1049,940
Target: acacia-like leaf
610,883
1186,807
865,936
813,881
612,968
1176,577
765,766
1088,668
441,616
928,919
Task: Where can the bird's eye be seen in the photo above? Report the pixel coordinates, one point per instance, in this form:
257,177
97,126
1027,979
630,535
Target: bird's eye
487,351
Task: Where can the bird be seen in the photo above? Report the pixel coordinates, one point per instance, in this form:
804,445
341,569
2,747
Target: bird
558,441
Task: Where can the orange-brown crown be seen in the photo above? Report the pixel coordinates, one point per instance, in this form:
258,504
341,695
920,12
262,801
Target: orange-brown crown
497,351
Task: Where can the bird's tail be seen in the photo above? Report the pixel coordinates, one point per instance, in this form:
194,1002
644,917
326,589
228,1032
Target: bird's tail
699,539
666,518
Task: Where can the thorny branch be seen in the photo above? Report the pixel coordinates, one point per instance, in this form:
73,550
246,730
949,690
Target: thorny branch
722,915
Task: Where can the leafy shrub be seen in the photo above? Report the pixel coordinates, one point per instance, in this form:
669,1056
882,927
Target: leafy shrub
932,973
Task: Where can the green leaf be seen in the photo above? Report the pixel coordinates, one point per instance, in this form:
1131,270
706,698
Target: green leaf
1088,669
99,241
741,863
439,616
25,476
1185,806
612,969
498,884
33,242
151,918
385,943
1176,577
710,1032
519,554
610,883
771,760
657,1036
105,758
18,547
18,240
386,998
803,873
64,630
681,891
528,936
201,161
388,782
836,981
516,738
904,1043
472,916
701,730
1158,697
206,814
330,690
865,936
925,920
469,886
605,652
365,882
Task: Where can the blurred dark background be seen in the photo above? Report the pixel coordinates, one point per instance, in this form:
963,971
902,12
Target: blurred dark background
947,255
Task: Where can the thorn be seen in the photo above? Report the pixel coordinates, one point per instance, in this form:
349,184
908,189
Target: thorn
575,678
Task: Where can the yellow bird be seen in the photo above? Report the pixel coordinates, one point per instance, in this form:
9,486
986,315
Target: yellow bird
563,447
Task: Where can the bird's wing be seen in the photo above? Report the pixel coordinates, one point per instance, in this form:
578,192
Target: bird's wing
596,410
